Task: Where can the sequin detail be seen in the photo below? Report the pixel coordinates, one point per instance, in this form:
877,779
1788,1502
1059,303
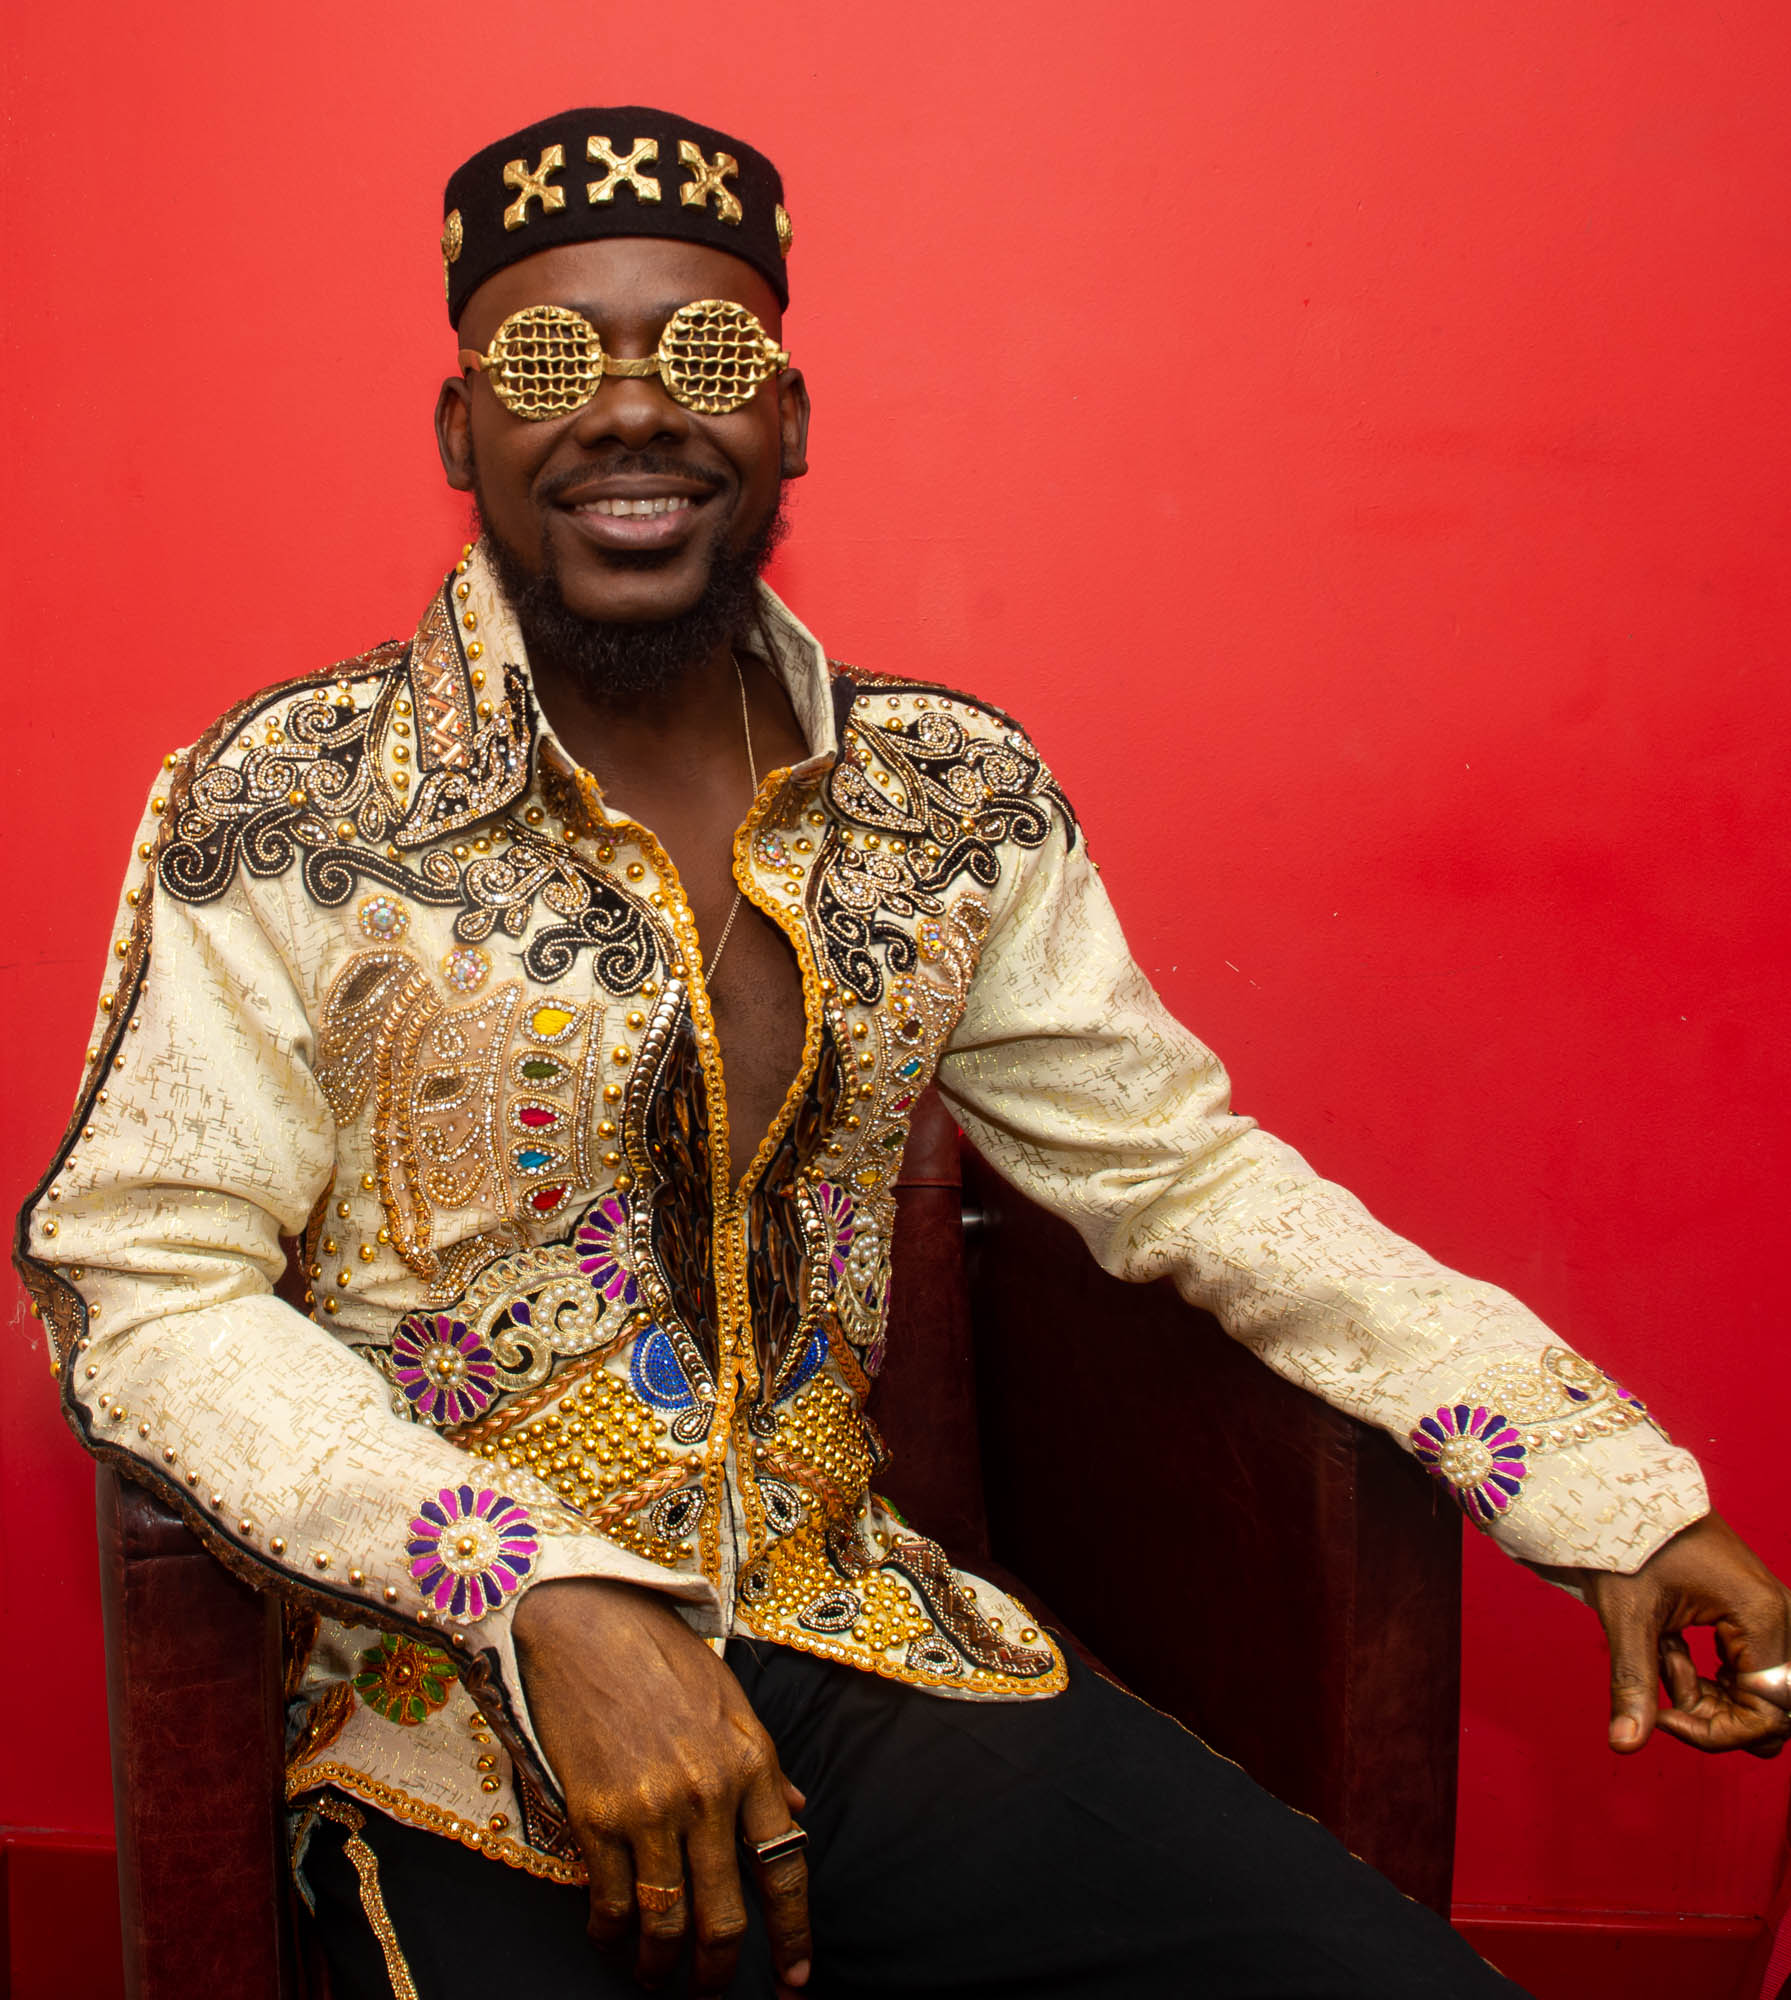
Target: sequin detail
470,1549
466,968
446,1372
1475,1451
382,918
404,1680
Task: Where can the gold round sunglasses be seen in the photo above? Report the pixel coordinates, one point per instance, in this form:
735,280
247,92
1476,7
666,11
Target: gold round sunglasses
547,361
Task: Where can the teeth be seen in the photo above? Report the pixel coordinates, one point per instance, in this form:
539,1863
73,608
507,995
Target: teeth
636,508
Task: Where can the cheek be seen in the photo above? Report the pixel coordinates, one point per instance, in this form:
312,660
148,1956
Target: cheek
507,460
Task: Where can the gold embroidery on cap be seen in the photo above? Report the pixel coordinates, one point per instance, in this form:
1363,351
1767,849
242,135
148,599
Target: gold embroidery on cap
708,176
453,239
786,229
645,186
534,186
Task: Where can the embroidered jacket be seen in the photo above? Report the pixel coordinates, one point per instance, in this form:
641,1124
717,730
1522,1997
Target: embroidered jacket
393,979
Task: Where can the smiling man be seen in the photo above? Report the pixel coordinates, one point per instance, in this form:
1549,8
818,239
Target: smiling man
564,978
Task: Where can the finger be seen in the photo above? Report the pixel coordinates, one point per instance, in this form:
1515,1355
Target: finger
1678,1671
611,1869
1715,1719
794,1797
1635,1675
782,1884
718,1905
659,1865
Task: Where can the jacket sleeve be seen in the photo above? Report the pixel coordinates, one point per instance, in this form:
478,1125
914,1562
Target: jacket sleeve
152,1249
1069,1074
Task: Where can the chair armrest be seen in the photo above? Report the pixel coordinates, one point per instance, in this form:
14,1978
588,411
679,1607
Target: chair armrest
1281,1579
193,1687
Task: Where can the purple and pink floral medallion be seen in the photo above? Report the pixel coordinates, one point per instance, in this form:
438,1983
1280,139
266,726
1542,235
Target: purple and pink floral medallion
1477,1453
447,1372
470,1550
601,1241
840,1214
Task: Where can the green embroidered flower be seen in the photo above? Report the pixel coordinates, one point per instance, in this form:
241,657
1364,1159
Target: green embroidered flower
403,1681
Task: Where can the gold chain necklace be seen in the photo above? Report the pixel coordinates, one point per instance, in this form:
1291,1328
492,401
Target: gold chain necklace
753,769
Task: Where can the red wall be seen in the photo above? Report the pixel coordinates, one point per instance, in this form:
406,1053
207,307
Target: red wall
1351,434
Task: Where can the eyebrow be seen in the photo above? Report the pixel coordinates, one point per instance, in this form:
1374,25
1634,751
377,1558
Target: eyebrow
660,312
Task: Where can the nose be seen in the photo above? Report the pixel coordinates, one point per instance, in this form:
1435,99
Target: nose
633,411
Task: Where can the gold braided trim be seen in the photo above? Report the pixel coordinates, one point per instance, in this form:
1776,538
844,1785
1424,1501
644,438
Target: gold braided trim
996,1687
729,1279
416,1812
366,1866
776,789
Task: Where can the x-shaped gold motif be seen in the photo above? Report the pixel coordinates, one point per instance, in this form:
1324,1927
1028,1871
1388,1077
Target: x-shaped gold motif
534,187
645,186
707,181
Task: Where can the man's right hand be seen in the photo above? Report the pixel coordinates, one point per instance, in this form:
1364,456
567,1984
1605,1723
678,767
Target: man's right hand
661,1761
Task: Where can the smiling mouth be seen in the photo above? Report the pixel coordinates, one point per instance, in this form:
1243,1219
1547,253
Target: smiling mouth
636,509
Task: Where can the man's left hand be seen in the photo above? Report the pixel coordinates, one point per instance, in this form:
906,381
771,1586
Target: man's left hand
1706,1575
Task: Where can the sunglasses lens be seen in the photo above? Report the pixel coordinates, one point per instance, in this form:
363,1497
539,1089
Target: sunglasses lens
714,354
545,362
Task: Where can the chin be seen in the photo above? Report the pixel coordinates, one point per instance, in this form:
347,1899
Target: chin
631,595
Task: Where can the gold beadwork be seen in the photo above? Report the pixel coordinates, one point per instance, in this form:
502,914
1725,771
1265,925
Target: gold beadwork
533,186
373,1902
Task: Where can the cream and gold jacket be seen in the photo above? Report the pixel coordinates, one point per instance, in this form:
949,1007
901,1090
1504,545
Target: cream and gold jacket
393,979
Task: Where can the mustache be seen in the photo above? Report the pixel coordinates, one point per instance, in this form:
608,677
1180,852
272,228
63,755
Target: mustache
635,464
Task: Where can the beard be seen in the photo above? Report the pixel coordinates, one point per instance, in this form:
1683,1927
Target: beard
618,660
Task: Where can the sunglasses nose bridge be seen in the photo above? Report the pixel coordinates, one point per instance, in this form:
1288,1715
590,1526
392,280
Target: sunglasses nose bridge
630,401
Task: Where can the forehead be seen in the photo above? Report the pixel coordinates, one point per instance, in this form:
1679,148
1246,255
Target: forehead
623,284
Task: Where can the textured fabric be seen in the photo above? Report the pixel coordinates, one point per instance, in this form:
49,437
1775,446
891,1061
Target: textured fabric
1082,1847
395,980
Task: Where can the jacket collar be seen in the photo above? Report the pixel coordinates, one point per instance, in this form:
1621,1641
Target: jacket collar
476,733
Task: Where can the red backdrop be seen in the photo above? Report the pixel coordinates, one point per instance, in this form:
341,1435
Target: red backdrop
1351,433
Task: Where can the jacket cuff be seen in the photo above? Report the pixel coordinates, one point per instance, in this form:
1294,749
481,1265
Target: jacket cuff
1559,1464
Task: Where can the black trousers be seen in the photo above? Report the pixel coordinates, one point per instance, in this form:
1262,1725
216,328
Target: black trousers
1083,1845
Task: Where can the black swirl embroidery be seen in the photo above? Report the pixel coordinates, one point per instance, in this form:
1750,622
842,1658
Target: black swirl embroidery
502,889
312,787
624,949
777,1248
949,800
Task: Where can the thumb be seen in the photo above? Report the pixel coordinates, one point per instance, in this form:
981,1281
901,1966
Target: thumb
1635,1676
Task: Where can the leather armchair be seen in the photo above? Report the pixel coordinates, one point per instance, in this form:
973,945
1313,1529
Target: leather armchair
1310,1630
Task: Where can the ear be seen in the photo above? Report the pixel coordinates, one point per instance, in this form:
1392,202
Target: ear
792,420
454,433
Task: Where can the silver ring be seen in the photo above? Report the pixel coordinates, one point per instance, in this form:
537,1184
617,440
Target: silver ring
780,1845
1771,1684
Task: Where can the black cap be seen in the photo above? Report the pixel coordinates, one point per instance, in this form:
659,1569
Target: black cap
623,171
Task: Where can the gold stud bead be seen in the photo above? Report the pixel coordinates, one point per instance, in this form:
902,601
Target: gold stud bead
389,1594
278,1545
321,1557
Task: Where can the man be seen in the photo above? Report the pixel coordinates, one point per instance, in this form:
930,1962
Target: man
565,980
